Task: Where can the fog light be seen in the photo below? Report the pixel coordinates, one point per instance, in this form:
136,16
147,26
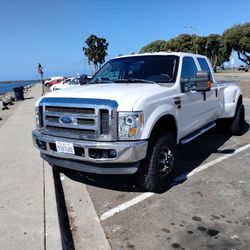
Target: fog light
102,153
41,144
94,153
112,153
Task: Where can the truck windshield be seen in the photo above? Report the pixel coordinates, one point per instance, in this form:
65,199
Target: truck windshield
138,69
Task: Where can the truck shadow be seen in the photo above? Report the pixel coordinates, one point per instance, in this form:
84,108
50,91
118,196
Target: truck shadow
190,157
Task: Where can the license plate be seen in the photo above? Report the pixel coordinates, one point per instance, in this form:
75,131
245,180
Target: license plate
65,147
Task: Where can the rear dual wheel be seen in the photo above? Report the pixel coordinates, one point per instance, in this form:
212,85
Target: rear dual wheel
238,122
235,125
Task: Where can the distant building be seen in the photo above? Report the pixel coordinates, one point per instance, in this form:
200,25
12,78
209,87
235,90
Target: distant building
233,61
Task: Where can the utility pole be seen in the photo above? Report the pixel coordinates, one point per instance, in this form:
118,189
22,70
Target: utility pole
195,33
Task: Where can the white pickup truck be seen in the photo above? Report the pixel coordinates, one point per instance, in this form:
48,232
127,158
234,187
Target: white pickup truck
131,115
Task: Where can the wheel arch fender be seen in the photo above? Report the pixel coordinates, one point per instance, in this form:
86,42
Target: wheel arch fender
231,97
163,118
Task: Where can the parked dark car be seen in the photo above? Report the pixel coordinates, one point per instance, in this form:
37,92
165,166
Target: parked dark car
243,68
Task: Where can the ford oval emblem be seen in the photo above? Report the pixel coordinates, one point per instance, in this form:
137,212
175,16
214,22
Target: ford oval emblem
66,119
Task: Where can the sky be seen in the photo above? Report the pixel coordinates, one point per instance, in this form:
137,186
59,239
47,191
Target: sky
53,32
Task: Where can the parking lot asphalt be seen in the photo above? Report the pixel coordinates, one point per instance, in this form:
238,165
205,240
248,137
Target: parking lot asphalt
204,209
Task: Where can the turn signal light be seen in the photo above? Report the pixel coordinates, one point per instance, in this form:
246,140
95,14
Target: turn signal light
209,84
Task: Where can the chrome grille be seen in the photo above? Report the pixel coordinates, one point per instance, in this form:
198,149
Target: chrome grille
82,121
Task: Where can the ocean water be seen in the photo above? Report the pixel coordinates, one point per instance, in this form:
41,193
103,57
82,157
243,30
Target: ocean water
7,87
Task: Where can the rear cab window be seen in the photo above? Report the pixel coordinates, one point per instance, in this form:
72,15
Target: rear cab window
205,67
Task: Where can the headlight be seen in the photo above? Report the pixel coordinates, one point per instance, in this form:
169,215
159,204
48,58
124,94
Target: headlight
130,125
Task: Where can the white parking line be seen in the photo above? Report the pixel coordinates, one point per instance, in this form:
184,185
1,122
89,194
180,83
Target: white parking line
125,205
144,196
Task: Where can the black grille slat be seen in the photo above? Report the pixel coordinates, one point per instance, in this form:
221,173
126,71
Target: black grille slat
87,111
41,116
104,126
71,130
85,121
52,146
51,119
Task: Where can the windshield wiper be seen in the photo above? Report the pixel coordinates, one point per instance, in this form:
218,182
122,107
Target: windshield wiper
132,80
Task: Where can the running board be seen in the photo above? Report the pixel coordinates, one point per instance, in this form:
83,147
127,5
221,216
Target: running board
197,133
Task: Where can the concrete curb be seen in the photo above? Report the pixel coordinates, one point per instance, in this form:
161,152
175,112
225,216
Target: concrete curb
85,225
52,229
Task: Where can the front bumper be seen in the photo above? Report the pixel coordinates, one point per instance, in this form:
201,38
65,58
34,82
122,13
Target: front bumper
126,160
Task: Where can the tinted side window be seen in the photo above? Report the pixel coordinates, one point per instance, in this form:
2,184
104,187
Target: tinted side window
188,68
204,65
188,71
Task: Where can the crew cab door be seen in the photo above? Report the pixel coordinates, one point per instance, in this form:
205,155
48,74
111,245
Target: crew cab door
191,111
211,97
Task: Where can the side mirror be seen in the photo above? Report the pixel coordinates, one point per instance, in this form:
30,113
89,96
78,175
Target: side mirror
84,79
200,83
203,81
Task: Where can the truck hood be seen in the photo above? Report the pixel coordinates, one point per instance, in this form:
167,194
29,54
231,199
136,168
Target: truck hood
126,95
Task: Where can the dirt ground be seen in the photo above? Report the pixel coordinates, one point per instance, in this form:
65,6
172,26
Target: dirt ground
245,86
241,78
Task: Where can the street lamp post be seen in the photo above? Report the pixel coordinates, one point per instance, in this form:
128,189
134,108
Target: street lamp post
195,33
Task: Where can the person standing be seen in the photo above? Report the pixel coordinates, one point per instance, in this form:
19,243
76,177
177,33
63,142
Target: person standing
40,70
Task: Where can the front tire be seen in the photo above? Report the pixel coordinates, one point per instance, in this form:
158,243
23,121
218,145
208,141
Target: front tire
159,165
